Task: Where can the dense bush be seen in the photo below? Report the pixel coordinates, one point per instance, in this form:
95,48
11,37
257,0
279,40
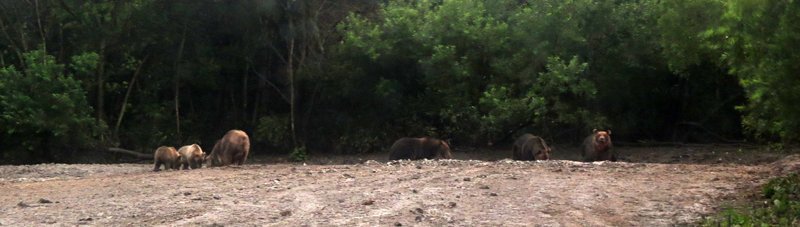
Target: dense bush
43,111
465,70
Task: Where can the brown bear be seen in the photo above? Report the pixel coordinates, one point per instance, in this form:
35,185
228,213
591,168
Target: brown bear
530,147
419,148
191,156
598,147
231,149
167,156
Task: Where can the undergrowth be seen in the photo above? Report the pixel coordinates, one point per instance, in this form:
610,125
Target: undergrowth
779,205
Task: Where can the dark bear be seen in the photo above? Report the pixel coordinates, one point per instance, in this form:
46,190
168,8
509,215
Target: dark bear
419,148
530,147
231,149
167,156
598,147
191,156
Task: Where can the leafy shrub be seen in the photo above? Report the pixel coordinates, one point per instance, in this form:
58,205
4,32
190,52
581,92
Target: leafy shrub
43,110
274,129
299,154
781,207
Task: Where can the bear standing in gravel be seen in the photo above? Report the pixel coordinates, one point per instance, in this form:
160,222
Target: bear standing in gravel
419,148
598,147
530,147
191,156
167,156
231,149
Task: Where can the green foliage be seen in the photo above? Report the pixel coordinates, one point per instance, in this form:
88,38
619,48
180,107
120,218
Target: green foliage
468,72
757,41
781,207
41,109
356,75
275,130
683,23
299,154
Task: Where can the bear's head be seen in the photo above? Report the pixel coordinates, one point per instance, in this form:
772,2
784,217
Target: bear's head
602,137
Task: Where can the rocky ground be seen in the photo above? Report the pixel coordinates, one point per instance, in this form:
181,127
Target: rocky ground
651,187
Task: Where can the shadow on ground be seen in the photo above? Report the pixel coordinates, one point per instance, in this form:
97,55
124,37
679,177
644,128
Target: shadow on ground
684,154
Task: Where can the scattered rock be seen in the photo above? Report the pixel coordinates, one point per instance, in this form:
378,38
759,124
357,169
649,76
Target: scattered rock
23,205
348,176
368,202
43,200
484,187
398,224
492,194
86,219
187,193
414,191
217,197
417,211
419,167
286,213
451,205
467,179
214,225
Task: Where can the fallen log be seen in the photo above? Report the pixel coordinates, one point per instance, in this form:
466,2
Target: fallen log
130,152
681,144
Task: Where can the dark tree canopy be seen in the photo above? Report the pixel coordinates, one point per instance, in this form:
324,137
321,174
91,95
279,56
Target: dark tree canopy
353,76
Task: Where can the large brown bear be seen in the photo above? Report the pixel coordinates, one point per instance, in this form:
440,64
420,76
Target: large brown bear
530,147
419,148
231,149
167,156
191,156
598,147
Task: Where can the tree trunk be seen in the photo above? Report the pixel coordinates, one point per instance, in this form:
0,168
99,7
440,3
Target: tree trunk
244,91
101,68
177,83
41,29
290,72
127,95
11,43
61,54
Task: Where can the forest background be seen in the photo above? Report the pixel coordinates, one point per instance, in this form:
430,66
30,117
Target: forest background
78,77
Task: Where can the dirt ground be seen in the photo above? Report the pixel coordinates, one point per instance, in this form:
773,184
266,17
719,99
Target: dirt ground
650,187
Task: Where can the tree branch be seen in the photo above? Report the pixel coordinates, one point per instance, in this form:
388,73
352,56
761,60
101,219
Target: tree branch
264,78
128,94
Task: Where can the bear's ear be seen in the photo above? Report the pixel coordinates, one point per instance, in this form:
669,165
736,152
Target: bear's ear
594,130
